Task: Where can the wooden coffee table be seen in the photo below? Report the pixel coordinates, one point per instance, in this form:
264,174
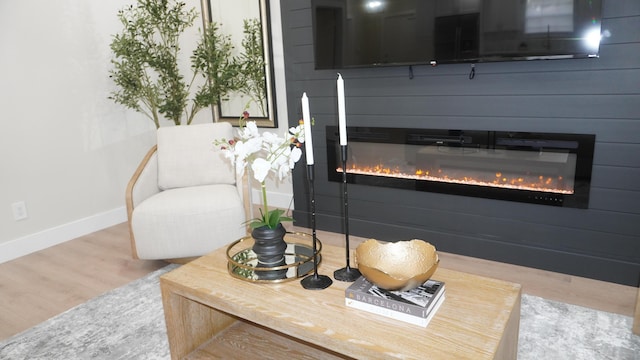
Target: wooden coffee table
211,314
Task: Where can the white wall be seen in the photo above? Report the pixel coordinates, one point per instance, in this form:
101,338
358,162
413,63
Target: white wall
280,194
67,151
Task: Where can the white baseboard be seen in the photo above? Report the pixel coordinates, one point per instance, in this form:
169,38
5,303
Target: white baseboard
16,248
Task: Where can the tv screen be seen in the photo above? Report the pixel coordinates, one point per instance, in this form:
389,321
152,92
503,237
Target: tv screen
364,33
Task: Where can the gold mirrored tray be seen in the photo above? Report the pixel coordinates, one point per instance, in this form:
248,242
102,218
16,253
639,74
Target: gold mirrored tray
242,261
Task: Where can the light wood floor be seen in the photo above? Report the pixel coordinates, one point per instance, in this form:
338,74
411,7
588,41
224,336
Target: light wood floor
35,287
43,284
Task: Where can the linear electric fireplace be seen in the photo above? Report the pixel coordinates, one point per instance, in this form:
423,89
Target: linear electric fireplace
541,168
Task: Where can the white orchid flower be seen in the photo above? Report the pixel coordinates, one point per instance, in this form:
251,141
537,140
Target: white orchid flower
229,154
260,169
297,132
272,139
250,130
266,153
252,146
296,154
283,171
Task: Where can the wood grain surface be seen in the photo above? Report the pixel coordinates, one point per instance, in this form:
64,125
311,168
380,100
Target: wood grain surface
478,320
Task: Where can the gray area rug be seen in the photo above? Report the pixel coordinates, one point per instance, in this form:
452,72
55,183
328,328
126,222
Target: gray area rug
128,323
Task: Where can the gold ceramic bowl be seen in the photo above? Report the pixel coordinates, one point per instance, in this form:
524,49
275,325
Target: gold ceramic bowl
401,265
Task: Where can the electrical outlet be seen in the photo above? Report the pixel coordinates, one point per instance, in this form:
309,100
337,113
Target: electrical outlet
19,210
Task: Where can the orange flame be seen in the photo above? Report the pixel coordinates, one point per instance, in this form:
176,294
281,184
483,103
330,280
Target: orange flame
531,183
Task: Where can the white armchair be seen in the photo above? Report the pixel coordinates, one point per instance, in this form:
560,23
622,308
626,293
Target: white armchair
185,198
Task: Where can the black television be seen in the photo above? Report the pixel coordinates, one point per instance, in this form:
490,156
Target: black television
369,33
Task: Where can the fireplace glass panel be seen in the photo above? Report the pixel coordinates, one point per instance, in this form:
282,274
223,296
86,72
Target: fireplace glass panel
545,170
550,169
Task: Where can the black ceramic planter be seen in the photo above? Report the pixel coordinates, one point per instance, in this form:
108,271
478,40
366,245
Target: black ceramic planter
269,248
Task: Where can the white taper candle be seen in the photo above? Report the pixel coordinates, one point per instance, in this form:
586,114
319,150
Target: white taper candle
342,121
306,117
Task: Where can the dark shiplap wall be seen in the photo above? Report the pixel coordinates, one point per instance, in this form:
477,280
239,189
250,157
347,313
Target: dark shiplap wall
595,96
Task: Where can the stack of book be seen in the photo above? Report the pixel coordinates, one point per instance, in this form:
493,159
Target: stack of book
416,306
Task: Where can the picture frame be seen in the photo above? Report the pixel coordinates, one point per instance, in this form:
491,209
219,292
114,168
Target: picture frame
229,16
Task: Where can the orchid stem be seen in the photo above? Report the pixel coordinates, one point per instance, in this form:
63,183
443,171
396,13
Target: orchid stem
264,201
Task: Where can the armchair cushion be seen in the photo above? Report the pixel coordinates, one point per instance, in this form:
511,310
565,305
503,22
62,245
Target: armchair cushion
188,157
188,222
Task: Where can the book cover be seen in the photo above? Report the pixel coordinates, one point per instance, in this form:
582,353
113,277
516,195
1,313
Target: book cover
417,302
415,320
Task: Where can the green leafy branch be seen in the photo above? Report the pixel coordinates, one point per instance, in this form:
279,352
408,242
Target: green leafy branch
253,64
145,64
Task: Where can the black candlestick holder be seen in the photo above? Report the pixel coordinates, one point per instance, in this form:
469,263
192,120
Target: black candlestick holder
314,281
347,273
